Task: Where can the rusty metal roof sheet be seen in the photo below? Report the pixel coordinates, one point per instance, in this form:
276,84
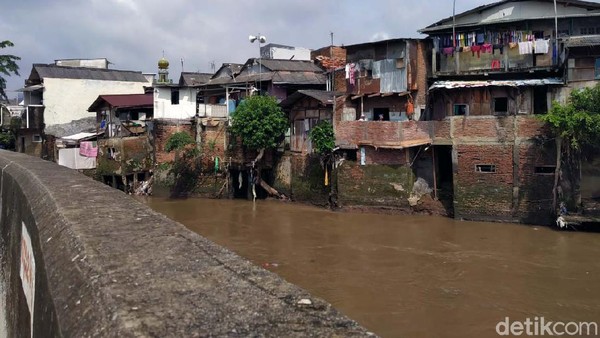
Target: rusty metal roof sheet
582,41
123,100
495,83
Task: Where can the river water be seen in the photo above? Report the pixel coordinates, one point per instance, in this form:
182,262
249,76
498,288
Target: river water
409,276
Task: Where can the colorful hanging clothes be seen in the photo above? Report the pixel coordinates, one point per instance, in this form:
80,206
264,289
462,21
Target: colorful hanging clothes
448,51
480,38
88,148
525,47
499,47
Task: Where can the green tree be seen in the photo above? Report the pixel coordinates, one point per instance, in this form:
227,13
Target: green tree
8,66
185,167
322,137
260,123
576,126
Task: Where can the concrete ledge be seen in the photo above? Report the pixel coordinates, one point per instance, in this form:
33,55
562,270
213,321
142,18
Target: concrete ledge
107,265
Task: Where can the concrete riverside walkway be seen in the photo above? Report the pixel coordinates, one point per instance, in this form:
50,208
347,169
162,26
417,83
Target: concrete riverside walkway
107,265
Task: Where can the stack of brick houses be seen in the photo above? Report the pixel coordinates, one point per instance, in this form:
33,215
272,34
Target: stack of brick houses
445,123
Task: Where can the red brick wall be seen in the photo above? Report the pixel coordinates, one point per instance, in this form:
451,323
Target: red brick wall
489,127
162,131
481,195
515,191
423,67
535,190
441,130
381,133
339,83
384,156
213,143
330,52
531,126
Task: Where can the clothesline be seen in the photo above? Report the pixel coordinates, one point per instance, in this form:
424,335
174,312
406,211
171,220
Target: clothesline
536,46
474,38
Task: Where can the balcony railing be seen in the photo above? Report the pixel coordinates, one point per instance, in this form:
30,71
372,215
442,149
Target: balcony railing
212,110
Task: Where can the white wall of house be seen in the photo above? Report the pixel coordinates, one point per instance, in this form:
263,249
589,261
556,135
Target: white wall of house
164,109
68,99
285,53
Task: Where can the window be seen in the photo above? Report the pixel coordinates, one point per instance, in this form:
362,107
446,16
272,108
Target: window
174,96
597,69
37,138
460,109
485,168
545,170
500,105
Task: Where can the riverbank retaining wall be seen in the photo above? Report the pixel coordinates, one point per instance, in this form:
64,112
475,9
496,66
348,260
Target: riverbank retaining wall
503,168
302,177
78,259
375,185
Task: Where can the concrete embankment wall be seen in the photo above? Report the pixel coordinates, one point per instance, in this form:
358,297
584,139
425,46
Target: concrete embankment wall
98,263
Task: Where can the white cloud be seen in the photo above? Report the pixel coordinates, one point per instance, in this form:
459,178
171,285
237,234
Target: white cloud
133,33
379,36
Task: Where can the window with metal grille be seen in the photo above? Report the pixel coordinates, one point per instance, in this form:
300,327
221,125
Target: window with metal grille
485,168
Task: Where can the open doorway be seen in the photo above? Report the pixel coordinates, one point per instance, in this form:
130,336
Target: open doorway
444,177
381,114
239,180
540,100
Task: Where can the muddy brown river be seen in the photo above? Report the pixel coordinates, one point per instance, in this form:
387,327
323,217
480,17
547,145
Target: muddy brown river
409,276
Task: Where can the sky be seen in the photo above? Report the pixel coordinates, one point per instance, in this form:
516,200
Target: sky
132,34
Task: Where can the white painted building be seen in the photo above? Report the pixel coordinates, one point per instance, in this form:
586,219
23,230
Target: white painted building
282,52
57,96
66,92
174,102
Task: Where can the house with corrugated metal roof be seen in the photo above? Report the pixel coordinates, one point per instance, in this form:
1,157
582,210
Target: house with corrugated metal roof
126,142
278,78
305,109
493,68
56,98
